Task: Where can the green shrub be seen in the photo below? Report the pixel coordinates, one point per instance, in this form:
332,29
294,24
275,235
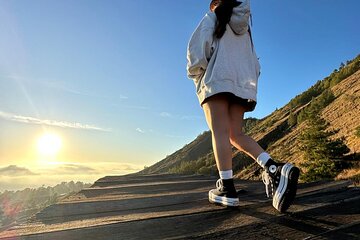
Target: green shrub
357,131
321,152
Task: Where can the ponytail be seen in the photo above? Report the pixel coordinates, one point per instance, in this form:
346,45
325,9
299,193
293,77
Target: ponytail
223,13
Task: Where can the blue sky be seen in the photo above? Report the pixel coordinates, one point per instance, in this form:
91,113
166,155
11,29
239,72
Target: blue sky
109,77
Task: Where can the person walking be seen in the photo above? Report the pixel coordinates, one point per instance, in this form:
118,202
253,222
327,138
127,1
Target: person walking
222,62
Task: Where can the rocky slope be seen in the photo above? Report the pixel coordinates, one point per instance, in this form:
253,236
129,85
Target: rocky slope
274,132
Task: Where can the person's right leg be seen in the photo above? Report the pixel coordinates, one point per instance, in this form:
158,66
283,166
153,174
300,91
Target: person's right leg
282,178
216,109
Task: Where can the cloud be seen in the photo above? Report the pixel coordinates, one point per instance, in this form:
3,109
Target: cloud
63,86
15,171
88,94
158,133
14,77
52,175
173,136
140,130
135,107
74,169
99,168
123,97
116,167
128,168
191,117
179,117
166,115
63,124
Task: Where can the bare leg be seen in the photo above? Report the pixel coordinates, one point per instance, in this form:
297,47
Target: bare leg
216,111
282,197
237,137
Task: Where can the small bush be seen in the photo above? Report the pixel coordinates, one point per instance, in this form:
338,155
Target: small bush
357,131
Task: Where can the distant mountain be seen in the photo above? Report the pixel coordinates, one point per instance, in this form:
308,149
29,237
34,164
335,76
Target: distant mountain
17,206
336,98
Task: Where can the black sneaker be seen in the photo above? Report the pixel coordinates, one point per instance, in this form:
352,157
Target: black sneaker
282,180
224,194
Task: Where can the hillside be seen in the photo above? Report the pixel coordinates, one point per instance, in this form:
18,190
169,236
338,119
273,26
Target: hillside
278,133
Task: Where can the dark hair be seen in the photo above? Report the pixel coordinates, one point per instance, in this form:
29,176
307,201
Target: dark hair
223,13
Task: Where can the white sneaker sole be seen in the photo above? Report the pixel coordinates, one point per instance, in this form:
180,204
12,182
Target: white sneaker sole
229,202
281,201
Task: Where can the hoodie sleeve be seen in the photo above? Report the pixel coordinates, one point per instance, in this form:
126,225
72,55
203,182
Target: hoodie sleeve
239,21
199,47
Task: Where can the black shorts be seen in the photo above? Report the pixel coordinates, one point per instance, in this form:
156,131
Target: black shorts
248,104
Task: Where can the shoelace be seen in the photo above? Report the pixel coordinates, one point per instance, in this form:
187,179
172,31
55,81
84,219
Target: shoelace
219,184
268,183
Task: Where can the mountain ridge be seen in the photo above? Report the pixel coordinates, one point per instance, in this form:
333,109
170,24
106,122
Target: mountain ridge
279,131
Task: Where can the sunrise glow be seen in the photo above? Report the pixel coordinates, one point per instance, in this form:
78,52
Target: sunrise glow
49,144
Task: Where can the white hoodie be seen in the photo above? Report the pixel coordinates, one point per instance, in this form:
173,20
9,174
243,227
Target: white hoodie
228,64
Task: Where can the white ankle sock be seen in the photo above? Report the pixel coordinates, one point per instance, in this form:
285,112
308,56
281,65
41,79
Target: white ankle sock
228,174
262,159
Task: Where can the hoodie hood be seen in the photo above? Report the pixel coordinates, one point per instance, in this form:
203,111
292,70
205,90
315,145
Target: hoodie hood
239,21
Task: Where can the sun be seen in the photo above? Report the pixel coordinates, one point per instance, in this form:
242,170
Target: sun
49,144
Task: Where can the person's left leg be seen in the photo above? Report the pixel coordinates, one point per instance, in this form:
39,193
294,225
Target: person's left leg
280,179
238,138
